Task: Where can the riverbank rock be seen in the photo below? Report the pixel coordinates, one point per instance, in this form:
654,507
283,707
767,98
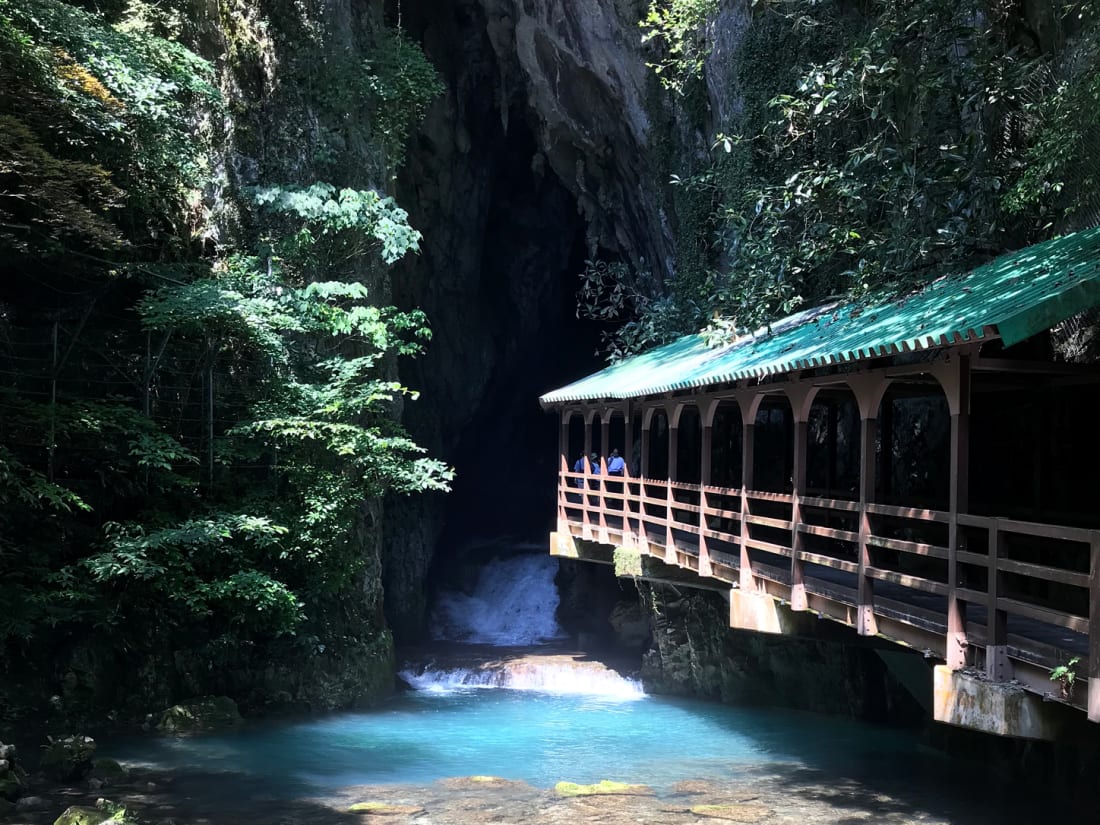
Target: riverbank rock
631,625
108,769
68,758
602,788
12,785
105,812
203,714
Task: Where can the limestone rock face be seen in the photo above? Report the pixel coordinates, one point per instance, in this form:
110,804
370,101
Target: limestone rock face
581,69
203,714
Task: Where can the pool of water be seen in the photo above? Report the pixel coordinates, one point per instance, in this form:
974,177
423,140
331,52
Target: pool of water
802,761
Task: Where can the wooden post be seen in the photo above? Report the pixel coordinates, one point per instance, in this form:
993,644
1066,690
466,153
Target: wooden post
586,520
605,434
628,458
1094,631
997,666
958,398
704,481
831,439
670,499
564,484
798,584
865,599
748,439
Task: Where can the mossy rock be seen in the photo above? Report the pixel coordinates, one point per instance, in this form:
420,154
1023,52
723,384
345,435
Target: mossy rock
384,809
733,813
81,815
11,787
106,768
602,788
68,758
203,714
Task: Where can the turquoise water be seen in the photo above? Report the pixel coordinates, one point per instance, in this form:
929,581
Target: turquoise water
807,769
539,738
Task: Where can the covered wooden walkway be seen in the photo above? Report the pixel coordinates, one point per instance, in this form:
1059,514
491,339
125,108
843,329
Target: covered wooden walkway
793,477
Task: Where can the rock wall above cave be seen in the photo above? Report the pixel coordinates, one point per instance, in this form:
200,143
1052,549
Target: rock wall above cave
580,72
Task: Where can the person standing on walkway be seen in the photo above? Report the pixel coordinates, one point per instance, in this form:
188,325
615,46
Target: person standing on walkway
615,464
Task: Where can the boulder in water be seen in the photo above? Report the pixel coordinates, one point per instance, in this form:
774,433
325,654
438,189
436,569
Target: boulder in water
68,758
203,714
105,812
108,769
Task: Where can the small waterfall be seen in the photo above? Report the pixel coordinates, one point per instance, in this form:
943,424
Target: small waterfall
529,673
513,604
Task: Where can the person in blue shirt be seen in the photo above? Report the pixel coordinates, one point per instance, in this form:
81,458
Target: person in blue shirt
578,467
615,464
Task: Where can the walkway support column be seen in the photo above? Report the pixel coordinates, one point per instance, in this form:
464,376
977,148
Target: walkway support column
801,397
706,420
563,467
1094,631
670,499
749,402
628,460
869,391
955,378
586,521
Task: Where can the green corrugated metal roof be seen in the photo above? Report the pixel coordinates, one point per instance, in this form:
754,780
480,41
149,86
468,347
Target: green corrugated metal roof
1017,295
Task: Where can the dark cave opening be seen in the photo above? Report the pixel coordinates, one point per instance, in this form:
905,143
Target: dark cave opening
504,244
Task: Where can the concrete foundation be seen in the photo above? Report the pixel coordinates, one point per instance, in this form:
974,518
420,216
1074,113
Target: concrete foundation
1003,709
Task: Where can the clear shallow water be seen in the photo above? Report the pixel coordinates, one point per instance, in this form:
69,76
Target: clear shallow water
536,737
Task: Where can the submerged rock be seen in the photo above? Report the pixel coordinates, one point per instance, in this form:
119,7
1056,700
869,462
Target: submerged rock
733,813
604,787
203,714
384,809
68,758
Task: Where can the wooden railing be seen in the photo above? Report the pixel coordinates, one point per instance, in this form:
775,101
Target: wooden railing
1027,592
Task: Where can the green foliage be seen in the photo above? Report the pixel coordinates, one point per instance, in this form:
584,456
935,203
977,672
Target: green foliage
99,130
399,84
362,214
189,433
874,148
678,29
1066,675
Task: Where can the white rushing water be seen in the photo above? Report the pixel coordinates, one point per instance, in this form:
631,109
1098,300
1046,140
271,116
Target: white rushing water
513,604
582,679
